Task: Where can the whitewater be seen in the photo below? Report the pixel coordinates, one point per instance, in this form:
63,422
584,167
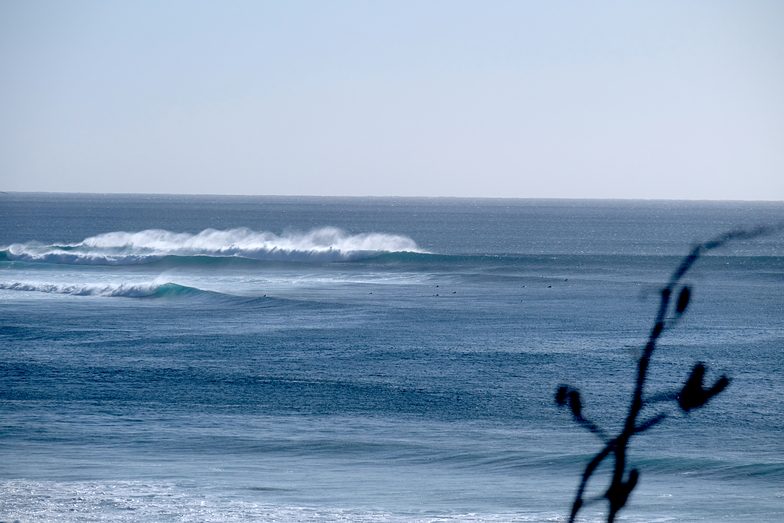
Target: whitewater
323,244
194,358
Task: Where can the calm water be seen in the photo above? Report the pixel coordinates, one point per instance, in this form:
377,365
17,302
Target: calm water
173,358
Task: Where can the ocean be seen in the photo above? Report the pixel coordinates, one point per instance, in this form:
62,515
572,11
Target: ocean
303,359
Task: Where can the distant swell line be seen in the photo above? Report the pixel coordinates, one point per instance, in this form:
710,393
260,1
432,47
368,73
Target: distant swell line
127,290
326,244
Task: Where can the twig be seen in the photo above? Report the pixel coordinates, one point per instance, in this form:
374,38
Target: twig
691,396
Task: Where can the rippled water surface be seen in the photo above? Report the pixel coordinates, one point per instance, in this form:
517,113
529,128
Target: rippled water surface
178,358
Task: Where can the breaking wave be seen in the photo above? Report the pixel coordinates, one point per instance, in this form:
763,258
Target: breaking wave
124,248
127,290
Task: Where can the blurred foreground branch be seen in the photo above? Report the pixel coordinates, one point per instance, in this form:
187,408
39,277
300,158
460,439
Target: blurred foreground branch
693,394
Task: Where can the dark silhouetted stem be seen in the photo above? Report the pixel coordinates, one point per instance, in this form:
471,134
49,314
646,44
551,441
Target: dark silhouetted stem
693,395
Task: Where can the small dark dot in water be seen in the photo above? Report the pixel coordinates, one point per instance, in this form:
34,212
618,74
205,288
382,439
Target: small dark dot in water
549,286
371,293
454,292
567,279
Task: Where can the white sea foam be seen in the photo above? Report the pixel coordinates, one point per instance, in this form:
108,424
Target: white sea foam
125,501
323,244
128,290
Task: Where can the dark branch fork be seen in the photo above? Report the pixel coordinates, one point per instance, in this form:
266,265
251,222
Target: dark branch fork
693,395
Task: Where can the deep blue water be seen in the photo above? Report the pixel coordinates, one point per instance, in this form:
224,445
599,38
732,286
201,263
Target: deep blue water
182,358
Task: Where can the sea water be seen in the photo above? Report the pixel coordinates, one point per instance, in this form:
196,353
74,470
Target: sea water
184,358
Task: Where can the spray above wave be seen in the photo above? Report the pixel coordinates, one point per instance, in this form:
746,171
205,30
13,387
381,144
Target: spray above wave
120,248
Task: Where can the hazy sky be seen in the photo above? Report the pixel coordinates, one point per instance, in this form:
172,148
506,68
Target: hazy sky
568,99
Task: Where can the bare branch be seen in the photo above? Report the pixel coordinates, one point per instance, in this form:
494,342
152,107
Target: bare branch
645,425
693,394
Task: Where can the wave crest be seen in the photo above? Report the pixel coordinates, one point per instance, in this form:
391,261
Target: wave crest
126,290
121,248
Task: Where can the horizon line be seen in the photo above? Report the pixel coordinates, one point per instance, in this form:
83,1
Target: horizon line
369,196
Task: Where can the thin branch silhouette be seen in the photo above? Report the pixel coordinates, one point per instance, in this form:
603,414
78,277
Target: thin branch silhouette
692,395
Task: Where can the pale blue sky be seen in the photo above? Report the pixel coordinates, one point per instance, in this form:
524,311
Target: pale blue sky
565,99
